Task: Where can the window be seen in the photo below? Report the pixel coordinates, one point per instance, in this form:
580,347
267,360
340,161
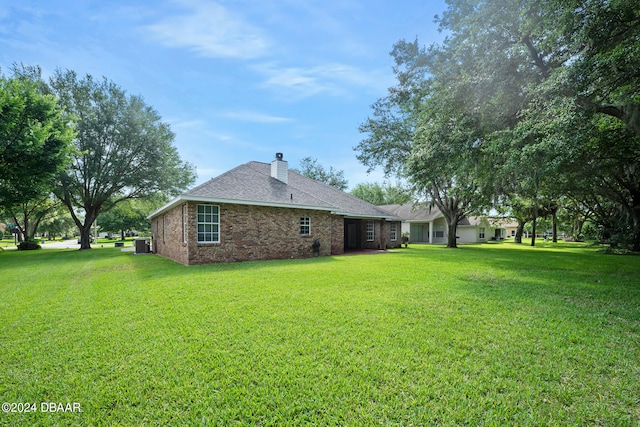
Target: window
439,231
208,224
393,231
184,223
305,226
370,233
481,233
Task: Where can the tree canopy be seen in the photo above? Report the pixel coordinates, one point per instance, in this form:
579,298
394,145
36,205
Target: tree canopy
382,194
35,141
124,150
311,168
542,97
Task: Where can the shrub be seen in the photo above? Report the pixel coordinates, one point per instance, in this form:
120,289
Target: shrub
29,245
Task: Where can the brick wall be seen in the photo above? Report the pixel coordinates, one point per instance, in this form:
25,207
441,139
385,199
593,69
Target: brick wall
337,235
257,233
246,233
167,240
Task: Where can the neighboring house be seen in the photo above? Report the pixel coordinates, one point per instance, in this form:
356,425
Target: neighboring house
260,211
428,225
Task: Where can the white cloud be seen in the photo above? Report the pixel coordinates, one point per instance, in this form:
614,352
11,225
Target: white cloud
255,117
333,78
211,30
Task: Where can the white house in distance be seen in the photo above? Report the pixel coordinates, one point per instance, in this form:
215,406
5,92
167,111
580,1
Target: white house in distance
428,225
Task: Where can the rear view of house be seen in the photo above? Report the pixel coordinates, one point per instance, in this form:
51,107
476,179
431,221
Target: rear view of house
260,211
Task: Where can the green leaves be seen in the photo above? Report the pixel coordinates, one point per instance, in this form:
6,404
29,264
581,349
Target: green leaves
124,149
35,140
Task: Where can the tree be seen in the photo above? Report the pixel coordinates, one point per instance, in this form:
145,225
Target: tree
129,215
58,223
29,215
545,75
35,141
310,168
385,194
420,131
124,150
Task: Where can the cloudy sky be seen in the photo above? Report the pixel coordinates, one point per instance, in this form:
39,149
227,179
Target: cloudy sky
237,80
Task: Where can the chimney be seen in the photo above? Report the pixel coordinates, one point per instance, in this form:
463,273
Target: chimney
280,169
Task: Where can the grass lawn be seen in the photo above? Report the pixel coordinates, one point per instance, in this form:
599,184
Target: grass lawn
493,334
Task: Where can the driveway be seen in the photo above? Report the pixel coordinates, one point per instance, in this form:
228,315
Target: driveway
66,244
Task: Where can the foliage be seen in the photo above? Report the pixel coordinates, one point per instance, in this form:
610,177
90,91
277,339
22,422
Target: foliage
438,147
28,245
124,150
129,215
35,141
310,168
493,334
547,89
58,223
385,194
30,214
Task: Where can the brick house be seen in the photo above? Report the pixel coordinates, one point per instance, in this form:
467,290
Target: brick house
260,211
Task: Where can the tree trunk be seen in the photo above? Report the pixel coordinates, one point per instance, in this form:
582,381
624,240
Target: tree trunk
85,228
554,216
85,236
451,239
519,232
533,226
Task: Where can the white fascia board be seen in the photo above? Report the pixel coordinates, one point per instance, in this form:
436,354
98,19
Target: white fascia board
204,199
364,216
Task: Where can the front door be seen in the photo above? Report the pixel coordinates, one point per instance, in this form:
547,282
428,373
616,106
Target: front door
352,234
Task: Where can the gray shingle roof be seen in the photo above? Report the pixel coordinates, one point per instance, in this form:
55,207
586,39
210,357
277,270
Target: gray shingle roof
251,183
413,212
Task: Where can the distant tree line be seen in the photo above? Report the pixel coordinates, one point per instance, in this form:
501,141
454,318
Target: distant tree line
531,108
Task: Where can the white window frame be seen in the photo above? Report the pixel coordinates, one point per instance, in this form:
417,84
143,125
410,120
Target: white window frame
305,226
208,224
393,231
371,227
481,233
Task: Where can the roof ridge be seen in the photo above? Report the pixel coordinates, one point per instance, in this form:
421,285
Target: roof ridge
197,187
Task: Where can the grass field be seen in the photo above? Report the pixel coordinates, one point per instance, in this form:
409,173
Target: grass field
494,334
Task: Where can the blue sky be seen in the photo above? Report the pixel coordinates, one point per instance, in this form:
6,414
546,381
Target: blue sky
237,80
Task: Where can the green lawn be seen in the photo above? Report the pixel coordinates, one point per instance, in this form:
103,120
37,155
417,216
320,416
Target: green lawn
494,334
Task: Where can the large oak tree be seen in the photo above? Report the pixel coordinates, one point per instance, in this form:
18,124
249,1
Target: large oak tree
124,150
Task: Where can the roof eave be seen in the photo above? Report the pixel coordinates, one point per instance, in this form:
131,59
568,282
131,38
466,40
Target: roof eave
205,199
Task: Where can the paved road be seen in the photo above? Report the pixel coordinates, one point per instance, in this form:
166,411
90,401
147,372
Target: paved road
66,244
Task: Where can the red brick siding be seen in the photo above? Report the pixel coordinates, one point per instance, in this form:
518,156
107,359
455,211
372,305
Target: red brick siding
246,233
167,239
337,235
258,233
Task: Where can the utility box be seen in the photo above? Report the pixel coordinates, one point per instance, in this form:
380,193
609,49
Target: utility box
142,246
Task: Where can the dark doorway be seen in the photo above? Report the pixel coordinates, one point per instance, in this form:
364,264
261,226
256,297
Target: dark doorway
352,234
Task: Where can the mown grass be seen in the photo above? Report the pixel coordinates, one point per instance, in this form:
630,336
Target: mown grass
494,334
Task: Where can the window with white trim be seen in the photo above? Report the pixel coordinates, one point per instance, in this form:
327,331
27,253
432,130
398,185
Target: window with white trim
393,231
481,233
305,226
370,231
208,224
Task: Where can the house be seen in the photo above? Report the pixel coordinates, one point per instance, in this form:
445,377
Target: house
428,225
260,211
